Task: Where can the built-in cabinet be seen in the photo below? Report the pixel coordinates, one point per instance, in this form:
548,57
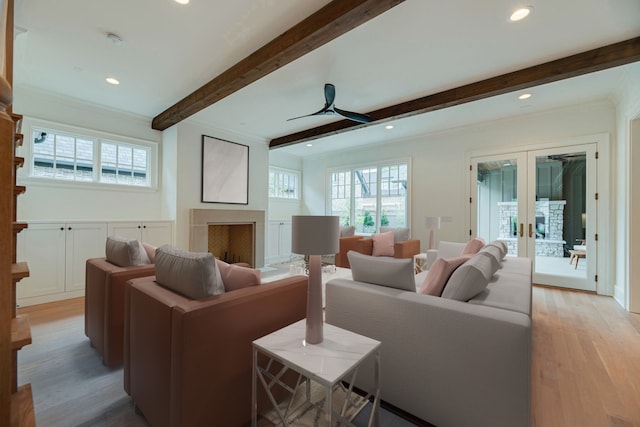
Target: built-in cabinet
156,233
278,241
61,250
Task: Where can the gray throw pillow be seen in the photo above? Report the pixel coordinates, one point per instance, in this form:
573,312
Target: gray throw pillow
399,234
493,251
192,274
125,252
390,272
469,279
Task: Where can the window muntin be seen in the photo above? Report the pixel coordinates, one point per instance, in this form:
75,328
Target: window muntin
65,156
377,198
284,184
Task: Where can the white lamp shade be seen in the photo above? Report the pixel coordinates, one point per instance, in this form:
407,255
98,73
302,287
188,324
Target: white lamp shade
432,222
315,235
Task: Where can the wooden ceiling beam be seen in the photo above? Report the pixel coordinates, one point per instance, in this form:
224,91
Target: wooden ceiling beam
609,56
328,23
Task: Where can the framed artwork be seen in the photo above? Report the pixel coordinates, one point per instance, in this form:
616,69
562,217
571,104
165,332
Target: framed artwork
225,171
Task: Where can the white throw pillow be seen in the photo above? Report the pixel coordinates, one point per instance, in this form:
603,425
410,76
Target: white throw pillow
400,234
390,272
347,230
125,252
469,279
192,274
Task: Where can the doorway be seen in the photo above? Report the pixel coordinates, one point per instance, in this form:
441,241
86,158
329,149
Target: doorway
541,203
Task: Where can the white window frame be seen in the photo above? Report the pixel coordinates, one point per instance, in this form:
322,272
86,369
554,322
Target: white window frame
351,168
36,125
279,171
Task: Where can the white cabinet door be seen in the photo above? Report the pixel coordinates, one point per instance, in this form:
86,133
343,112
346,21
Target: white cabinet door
130,230
278,241
83,241
42,246
157,233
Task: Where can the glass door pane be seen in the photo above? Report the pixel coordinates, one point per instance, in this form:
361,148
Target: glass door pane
560,184
496,201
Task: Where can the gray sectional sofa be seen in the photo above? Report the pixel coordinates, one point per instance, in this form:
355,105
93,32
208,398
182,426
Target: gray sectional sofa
449,362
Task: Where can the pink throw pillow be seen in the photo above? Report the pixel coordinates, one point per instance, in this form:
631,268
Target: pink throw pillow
237,277
439,274
151,252
473,246
383,244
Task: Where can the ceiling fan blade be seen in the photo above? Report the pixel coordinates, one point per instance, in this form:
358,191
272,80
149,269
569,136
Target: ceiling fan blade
329,94
356,117
323,112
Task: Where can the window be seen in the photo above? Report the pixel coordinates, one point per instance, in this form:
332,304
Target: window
70,156
284,184
377,198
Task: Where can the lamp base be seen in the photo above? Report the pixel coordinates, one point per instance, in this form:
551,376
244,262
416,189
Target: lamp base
315,321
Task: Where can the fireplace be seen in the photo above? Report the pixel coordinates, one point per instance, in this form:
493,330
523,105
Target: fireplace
237,235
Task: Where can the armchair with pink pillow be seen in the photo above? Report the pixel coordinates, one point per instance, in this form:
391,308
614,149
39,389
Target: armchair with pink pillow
391,242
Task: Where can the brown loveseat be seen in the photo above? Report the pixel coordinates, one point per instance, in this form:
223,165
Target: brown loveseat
188,363
104,305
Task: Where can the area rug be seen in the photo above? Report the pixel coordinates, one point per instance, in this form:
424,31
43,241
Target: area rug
312,415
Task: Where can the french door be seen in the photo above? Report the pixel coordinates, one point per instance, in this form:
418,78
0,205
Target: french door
542,203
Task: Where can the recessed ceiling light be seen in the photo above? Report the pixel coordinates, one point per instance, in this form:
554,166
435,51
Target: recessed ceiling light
520,13
112,80
182,1
389,127
525,96
309,145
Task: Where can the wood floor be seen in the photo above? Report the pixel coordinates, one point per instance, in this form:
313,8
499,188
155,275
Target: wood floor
585,366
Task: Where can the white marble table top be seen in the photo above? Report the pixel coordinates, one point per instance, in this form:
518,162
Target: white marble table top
325,363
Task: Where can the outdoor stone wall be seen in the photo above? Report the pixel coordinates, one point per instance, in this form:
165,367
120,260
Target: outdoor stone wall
549,227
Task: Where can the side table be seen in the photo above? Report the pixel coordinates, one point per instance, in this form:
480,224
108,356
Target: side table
335,359
419,262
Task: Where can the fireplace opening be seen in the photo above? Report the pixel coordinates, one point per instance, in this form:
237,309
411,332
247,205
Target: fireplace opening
232,242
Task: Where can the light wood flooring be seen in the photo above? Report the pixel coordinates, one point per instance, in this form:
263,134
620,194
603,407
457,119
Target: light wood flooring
585,366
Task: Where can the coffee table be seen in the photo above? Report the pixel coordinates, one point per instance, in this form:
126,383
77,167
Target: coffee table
336,358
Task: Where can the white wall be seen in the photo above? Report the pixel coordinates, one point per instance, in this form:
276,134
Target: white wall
59,202
439,179
280,209
188,142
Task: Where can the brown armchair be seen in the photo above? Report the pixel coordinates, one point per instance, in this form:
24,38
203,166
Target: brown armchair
104,305
347,244
188,363
405,249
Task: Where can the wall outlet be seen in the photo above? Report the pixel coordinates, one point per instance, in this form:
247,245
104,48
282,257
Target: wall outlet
446,219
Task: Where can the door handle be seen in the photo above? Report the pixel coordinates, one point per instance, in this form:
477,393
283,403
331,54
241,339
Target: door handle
521,229
530,230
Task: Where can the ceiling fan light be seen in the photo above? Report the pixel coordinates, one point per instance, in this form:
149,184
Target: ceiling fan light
520,13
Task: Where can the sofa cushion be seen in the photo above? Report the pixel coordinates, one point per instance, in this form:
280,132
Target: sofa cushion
439,274
193,274
347,230
469,279
383,244
400,234
390,272
151,252
237,276
125,252
473,246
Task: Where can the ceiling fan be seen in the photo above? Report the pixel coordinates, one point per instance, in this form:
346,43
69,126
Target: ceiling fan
331,110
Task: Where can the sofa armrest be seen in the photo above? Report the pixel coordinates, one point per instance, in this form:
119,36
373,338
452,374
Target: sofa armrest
407,249
432,255
347,244
364,246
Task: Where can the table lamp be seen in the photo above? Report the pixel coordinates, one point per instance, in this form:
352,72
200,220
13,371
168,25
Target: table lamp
433,223
314,236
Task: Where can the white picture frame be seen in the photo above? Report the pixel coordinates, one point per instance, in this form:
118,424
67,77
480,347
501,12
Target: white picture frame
225,171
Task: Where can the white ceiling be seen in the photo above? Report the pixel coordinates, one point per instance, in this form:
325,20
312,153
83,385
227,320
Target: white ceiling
417,48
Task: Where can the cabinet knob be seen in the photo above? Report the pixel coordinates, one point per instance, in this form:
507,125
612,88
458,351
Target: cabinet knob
144,226
138,226
69,228
61,228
